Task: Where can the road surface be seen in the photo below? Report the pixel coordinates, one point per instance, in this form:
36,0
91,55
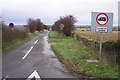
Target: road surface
34,57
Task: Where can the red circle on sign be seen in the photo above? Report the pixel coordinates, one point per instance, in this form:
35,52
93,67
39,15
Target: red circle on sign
105,16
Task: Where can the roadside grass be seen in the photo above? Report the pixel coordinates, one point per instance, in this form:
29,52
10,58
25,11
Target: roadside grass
18,41
75,54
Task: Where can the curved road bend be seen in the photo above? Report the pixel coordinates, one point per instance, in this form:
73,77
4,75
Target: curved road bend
34,55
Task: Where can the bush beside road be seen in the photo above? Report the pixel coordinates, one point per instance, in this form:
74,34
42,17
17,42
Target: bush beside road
18,42
75,55
15,37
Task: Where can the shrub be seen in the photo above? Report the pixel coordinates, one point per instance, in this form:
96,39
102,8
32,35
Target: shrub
113,48
9,35
39,25
31,25
68,22
112,45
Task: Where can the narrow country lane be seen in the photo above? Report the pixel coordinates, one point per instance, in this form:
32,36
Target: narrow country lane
34,56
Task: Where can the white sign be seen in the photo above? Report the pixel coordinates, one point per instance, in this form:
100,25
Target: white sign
101,22
101,29
61,26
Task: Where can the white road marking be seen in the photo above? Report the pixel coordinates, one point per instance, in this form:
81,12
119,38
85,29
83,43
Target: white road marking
34,75
5,77
28,52
35,41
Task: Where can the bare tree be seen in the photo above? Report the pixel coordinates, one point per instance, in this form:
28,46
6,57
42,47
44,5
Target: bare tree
39,25
31,25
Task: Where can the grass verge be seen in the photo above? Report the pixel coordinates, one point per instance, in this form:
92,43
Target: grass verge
17,42
75,54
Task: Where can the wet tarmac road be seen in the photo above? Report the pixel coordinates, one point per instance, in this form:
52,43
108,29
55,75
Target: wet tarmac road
35,54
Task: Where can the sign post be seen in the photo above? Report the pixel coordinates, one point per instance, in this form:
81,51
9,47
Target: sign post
101,23
100,48
61,28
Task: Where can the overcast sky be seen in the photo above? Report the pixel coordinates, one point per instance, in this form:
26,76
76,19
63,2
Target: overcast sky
18,11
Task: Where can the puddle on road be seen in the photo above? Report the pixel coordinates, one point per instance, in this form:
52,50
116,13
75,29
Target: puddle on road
47,49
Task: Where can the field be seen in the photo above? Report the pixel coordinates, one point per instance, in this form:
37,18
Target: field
95,36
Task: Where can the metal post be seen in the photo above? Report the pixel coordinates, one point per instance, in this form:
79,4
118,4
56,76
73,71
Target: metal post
61,32
100,48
